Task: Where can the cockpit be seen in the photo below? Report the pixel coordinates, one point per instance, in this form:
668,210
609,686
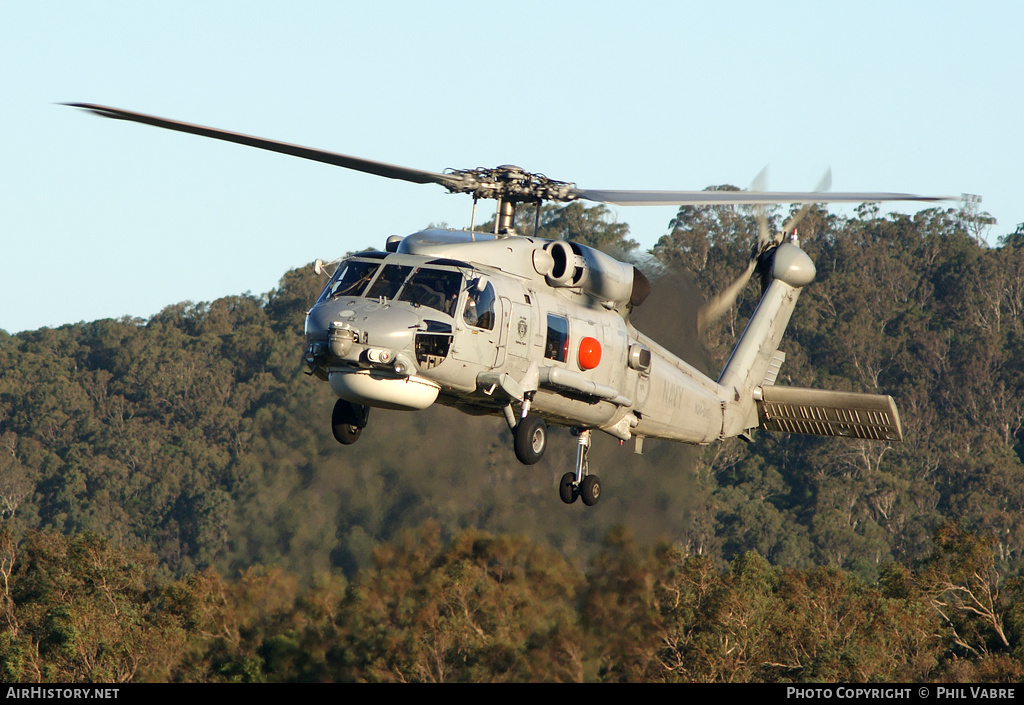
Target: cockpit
443,298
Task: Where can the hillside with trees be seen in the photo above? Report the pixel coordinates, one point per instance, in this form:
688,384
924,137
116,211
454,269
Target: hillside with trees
174,507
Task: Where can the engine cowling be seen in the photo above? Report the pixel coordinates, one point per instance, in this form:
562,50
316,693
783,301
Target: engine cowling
571,265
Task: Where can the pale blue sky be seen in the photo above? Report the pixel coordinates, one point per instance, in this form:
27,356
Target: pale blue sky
101,218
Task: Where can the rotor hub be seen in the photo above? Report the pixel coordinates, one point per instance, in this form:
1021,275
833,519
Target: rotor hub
509,183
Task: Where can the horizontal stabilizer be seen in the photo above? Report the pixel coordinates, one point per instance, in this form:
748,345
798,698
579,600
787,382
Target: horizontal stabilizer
824,413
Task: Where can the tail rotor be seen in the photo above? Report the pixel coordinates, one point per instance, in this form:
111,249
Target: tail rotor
722,302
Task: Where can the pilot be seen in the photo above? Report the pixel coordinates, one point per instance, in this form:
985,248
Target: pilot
449,303
470,315
479,311
450,296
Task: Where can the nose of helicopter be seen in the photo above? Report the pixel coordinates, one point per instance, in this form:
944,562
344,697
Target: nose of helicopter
366,349
387,324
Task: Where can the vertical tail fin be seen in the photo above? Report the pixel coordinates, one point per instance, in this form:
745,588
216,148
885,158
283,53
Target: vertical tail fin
788,269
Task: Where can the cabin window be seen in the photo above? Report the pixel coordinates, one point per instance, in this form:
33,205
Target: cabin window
479,311
389,282
557,345
350,279
435,288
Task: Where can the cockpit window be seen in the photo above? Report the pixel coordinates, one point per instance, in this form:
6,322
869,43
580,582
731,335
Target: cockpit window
389,281
435,288
479,311
350,279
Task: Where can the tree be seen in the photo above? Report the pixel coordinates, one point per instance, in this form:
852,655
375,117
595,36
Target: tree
483,608
81,609
962,585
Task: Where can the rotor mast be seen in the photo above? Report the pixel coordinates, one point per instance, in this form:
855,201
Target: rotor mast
509,185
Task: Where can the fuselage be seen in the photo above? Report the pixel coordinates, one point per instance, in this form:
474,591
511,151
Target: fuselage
469,320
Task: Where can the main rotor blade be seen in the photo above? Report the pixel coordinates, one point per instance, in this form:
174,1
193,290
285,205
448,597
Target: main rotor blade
368,166
743,198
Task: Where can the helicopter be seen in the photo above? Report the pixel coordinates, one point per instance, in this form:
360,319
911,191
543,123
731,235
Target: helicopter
538,331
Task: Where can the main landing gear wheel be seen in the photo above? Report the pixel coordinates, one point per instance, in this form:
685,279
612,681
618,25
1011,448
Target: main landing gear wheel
589,487
567,488
531,439
590,490
348,421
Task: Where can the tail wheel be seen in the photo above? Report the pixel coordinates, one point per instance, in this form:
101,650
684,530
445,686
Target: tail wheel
531,439
347,422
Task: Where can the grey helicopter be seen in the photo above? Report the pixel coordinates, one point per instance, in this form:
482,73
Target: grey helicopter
538,331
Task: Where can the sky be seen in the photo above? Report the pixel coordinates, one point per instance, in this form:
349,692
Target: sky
105,219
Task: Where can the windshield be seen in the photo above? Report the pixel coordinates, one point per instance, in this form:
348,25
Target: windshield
389,282
350,279
435,288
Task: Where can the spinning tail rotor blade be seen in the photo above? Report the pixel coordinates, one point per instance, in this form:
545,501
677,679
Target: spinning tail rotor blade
724,301
760,212
824,185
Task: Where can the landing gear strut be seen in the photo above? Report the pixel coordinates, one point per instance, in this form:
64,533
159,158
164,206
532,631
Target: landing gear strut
348,421
530,435
580,483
